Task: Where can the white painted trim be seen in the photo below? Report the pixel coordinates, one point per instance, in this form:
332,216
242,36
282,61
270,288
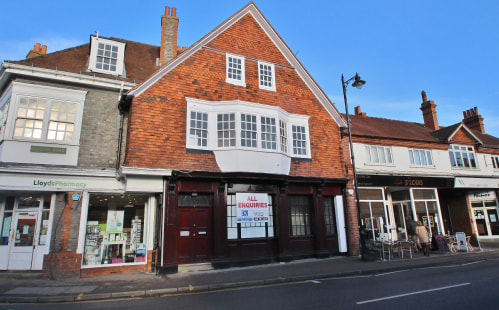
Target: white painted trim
92,60
272,76
126,170
63,76
242,81
83,223
340,224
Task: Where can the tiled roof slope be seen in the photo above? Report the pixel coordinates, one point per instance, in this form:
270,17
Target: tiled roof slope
140,61
375,127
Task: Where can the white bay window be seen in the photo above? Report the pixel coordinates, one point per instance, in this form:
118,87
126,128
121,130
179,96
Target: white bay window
246,126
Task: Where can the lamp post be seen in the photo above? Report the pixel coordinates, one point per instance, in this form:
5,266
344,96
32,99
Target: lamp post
358,83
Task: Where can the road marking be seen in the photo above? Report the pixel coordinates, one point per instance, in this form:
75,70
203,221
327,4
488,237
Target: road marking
391,272
413,293
314,281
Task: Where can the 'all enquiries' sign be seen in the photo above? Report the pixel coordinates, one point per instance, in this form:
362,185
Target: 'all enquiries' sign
252,207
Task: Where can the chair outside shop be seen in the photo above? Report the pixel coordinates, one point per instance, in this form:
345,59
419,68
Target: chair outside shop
405,247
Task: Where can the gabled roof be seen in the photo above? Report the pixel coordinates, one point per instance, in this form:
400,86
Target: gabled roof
374,127
140,61
449,132
250,8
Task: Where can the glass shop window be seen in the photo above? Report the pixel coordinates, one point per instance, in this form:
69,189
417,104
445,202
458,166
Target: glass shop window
115,230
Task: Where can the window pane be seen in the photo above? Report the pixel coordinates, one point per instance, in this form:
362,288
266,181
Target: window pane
300,215
370,194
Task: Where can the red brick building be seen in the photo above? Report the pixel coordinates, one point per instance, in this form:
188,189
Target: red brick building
249,148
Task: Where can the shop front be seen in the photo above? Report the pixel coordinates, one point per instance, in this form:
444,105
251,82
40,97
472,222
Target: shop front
485,213
228,221
75,224
26,220
387,203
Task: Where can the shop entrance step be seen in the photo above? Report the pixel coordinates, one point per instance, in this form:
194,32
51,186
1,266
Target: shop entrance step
194,267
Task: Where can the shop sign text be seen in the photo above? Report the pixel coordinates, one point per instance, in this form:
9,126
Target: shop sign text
58,183
252,207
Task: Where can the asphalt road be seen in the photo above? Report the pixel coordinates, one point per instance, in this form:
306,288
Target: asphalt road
465,286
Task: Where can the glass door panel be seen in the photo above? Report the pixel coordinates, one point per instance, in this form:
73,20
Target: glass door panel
493,221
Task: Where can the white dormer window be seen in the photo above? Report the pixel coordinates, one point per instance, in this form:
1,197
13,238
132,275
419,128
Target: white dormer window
235,70
107,56
266,76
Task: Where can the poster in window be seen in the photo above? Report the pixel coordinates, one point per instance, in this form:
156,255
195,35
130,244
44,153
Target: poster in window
115,221
492,218
252,207
425,221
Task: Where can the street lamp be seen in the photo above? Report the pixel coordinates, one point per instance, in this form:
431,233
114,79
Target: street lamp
358,83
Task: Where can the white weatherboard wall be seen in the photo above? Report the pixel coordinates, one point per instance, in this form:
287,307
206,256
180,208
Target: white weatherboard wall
441,164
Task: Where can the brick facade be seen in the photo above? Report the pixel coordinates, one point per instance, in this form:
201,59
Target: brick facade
158,116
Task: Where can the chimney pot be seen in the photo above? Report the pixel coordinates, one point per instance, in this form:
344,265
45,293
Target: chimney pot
429,112
169,30
37,47
358,111
473,120
43,51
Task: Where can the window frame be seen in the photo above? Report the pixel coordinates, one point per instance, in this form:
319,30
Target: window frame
230,79
421,158
270,68
235,229
495,161
462,157
374,158
51,95
300,216
238,108
120,59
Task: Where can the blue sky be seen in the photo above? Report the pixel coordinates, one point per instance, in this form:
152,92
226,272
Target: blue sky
447,48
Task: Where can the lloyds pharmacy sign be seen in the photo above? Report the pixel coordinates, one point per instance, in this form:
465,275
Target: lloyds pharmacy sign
58,183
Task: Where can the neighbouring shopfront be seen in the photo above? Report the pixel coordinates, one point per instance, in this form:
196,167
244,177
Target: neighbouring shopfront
485,213
232,222
67,224
388,202
26,219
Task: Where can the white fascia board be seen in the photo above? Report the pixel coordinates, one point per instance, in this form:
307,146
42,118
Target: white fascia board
281,45
125,170
65,76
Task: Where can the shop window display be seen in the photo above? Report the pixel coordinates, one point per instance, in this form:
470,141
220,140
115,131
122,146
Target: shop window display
114,234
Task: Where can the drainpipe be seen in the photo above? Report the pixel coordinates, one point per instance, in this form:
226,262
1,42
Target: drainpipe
122,107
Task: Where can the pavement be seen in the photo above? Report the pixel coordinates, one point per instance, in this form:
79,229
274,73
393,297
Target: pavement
22,287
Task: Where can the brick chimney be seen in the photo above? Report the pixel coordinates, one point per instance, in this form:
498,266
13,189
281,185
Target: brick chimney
473,120
358,112
429,112
37,50
169,29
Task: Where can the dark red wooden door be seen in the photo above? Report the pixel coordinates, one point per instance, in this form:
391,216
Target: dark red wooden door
194,234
